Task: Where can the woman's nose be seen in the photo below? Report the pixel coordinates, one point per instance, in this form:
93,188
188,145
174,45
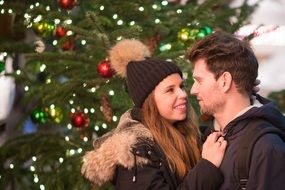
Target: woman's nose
182,93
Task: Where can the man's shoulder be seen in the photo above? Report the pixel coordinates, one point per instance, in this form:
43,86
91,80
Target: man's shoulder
262,140
270,143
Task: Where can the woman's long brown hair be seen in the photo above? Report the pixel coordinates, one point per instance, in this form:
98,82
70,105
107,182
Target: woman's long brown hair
180,142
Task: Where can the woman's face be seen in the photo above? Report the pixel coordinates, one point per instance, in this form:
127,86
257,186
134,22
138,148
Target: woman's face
171,98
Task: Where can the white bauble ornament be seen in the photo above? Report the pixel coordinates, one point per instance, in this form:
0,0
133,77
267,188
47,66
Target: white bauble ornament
7,90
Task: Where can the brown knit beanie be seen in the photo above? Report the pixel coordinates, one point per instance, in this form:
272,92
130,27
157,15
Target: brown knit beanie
131,59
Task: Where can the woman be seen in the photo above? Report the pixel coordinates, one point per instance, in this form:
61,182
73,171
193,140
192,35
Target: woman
156,145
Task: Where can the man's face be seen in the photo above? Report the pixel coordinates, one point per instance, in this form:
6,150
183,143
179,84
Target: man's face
206,89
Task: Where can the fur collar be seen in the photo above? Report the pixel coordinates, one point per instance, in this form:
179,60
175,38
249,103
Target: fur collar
114,148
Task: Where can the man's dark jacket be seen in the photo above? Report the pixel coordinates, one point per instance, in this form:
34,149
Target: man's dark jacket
267,166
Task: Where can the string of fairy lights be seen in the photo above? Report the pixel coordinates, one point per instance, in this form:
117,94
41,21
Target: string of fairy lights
40,46
53,109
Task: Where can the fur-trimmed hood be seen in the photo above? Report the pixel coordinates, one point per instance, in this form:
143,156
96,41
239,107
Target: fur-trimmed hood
114,148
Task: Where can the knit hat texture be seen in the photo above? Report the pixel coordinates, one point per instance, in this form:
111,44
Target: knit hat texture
131,59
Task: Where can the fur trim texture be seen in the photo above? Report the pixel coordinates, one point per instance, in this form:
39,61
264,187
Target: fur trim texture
125,51
114,149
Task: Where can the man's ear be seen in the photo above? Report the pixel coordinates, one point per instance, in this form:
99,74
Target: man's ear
225,81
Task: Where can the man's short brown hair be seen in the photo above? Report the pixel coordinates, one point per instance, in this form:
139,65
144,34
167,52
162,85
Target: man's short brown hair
223,52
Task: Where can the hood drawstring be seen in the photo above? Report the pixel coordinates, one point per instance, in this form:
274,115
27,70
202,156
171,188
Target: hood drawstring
135,169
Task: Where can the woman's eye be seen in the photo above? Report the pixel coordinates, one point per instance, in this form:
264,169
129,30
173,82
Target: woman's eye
170,90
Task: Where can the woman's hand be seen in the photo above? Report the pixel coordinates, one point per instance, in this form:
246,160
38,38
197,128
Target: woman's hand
214,148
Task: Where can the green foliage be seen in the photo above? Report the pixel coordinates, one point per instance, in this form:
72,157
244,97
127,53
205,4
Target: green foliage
72,74
279,98
49,155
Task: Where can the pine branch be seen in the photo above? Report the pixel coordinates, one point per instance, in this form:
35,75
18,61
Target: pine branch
54,56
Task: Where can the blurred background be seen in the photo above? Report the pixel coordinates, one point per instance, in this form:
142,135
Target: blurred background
58,92
269,45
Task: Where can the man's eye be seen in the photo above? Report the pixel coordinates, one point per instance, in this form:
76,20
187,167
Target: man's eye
197,81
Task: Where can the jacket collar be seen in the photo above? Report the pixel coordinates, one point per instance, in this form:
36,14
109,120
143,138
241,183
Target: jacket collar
114,148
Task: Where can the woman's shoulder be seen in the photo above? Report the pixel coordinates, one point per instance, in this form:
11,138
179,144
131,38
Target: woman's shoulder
117,147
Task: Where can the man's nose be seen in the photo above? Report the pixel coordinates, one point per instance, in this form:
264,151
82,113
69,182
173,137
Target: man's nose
193,90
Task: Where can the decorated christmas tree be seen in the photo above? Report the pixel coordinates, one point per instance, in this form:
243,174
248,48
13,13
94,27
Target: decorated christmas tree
279,98
72,95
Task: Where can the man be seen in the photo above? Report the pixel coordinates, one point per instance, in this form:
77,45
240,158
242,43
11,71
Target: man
225,70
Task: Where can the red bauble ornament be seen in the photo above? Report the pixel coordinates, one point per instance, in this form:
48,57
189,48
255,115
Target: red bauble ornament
105,70
67,4
80,120
60,32
68,45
